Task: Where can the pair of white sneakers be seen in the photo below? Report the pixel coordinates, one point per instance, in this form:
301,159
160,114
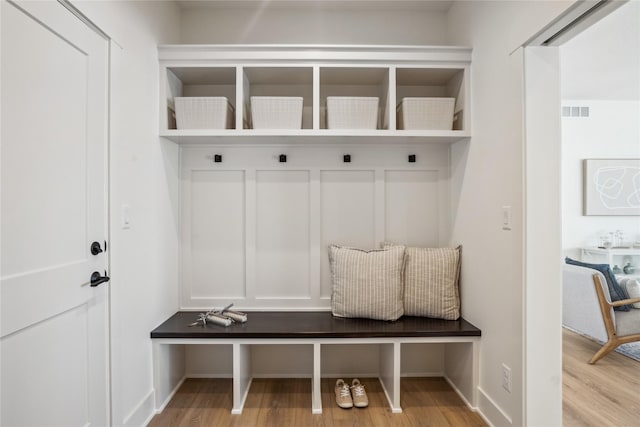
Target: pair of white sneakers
348,397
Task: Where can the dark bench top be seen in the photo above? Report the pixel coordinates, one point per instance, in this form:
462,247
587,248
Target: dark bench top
313,324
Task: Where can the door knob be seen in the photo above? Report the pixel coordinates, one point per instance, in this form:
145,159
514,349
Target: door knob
95,248
97,279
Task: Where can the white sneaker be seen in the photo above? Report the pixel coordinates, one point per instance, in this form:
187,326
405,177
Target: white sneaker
343,395
359,396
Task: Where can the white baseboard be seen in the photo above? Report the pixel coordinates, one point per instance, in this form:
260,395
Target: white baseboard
200,375
305,375
422,374
490,411
503,417
349,375
142,413
170,396
462,396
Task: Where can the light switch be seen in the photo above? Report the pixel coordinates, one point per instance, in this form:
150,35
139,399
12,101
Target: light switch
506,217
126,217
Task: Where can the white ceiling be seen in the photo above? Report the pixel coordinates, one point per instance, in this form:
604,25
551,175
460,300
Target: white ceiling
423,5
603,62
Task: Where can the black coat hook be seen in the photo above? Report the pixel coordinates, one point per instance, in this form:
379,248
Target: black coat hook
346,158
412,158
217,158
283,158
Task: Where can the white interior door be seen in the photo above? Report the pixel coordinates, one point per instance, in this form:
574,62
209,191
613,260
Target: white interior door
53,335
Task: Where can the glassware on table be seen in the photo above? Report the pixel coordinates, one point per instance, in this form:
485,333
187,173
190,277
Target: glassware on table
628,268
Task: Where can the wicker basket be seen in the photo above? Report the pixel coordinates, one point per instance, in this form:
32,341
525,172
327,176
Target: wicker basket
426,113
352,112
276,112
204,112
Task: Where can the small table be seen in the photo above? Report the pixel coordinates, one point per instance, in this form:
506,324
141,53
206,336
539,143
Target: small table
613,256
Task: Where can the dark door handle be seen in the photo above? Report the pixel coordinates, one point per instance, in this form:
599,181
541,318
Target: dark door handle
95,248
97,279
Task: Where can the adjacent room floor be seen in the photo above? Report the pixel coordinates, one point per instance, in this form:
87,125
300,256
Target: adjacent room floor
604,394
287,402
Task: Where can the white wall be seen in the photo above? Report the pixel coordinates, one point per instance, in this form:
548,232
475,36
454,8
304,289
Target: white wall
599,70
488,174
328,23
602,62
611,131
144,175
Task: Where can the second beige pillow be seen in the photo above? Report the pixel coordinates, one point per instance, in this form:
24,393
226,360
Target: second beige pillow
431,278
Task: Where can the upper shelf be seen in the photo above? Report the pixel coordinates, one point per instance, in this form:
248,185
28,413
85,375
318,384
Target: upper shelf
313,73
303,136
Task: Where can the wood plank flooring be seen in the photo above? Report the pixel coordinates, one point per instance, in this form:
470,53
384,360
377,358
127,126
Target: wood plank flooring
604,394
287,402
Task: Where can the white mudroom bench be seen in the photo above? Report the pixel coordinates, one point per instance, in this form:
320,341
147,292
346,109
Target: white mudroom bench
321,328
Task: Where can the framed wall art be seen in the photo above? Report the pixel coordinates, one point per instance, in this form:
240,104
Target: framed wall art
611,187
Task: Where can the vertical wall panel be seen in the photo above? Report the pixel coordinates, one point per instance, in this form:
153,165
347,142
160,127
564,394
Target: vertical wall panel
217,234
282,234
348,215
412,207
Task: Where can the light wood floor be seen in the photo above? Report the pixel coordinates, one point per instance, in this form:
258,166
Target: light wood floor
604,394
287,402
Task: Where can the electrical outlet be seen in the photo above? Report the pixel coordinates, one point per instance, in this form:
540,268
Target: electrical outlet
506,378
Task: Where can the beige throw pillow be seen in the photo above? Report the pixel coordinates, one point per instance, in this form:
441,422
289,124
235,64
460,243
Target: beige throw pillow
632,288
431,278
367,283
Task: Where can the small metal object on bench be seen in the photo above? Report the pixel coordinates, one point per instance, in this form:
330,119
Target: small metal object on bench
237,316
224,317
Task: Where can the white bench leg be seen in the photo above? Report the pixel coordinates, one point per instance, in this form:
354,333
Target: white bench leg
390,374
241,376
316,396
476,373
156,374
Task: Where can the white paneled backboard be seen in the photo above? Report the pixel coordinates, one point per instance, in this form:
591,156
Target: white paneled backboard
255,230
282,234
217,234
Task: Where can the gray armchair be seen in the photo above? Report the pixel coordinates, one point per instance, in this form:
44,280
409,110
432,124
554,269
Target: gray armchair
587,309
622,326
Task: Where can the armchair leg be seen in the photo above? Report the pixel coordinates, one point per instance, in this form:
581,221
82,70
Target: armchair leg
607,348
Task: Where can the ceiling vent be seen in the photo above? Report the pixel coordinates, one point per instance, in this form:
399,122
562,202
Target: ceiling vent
574,111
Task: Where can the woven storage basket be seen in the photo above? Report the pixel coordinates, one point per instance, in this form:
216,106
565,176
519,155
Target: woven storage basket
203,112
426,113
276,112
352,112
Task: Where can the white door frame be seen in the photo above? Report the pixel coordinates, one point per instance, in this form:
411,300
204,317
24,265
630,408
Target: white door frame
542,323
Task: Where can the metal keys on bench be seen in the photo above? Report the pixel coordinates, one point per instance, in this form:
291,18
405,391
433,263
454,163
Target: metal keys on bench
224,317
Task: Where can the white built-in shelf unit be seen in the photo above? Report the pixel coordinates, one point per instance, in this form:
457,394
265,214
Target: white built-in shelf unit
314,72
